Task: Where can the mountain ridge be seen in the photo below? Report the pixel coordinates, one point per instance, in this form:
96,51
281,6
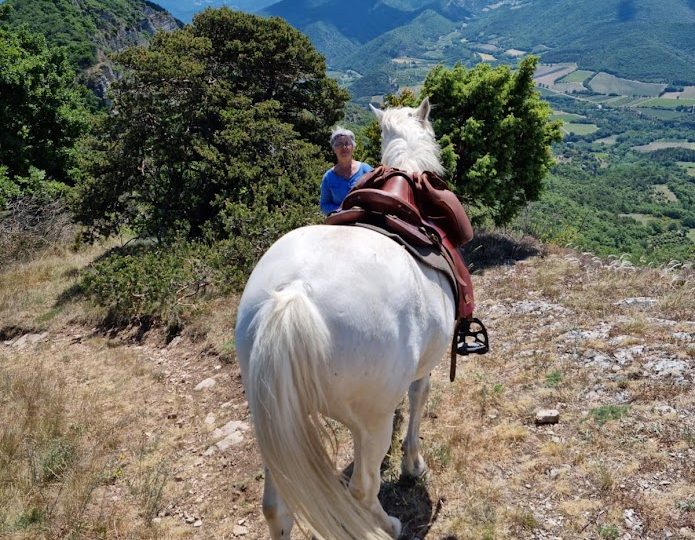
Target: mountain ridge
599,36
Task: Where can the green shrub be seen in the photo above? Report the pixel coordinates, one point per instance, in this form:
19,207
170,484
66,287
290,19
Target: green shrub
603,414
146,283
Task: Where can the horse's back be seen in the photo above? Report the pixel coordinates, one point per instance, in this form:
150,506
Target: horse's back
373,297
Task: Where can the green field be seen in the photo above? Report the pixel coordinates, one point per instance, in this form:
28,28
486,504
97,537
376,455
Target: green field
643,219
566,117
688,166
691,235
660,145
612,139
603,83
624,101
663,114
663,103
663,190
580,129
578,76
600,98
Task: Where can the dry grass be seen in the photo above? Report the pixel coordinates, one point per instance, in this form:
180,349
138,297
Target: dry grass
36,294
71,464
57,452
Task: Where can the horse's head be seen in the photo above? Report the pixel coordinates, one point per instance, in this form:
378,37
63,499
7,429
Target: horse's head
407,139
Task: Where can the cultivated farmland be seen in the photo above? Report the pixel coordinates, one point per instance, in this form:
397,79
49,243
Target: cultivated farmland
660,145
663,103
578,76
603,83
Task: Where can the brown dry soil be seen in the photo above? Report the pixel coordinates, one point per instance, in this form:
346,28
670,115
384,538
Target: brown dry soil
611,348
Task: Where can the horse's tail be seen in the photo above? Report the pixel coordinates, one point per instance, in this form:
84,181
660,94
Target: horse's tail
288,359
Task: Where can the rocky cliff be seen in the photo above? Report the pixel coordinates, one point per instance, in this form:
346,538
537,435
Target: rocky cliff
91,30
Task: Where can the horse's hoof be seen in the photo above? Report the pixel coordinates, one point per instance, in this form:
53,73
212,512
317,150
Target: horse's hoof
418,470
395,527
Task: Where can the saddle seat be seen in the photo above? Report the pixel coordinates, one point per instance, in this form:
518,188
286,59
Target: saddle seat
391,193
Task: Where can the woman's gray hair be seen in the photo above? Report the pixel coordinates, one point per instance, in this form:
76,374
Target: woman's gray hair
342,132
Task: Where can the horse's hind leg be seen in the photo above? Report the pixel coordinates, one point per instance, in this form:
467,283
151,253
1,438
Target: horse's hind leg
371,444
278,516
413,464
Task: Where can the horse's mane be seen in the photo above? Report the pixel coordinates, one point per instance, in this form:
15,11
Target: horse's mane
408,140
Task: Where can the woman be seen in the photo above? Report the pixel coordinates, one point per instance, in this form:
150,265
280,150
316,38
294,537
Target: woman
340,178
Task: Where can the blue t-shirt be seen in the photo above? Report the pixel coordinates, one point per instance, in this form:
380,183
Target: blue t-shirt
334,187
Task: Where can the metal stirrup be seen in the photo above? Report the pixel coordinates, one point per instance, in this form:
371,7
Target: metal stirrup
479,344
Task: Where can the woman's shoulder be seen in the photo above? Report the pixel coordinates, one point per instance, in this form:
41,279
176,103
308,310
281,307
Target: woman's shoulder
365,167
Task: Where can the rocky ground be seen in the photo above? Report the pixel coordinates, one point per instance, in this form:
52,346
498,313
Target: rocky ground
607,350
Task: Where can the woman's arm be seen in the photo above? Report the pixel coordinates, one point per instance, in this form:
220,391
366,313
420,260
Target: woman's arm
326,202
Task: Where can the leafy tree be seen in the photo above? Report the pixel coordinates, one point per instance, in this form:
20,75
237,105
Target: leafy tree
495,132
214,128
267,59
42,112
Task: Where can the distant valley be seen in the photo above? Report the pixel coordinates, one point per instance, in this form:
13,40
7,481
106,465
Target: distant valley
393,44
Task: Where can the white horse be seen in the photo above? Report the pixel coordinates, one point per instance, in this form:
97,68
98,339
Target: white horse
341,321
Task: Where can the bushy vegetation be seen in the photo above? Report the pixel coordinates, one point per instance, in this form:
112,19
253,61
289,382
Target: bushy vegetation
42,114
148,282
495,134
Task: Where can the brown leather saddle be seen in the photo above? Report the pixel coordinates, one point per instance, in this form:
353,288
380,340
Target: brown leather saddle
422,213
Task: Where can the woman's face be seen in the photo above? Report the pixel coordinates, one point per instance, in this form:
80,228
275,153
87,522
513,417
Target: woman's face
343,147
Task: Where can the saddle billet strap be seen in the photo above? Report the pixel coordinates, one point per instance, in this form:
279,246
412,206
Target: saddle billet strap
454,352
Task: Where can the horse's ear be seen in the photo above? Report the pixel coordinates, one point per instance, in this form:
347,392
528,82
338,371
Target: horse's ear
378,112
423,111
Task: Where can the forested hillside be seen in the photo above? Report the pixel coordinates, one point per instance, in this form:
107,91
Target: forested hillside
90,30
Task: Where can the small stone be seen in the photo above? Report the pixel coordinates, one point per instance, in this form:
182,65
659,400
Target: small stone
547,416
239,530
234,439
632,520
230,428
29,339
207,383
640,301
190,519
197,522
210,419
